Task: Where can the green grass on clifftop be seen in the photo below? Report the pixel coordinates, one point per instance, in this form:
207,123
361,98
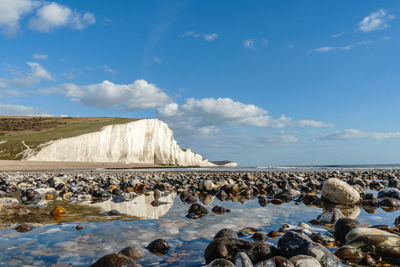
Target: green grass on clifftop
34,131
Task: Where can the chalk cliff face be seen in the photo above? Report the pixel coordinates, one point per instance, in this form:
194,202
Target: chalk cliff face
142,141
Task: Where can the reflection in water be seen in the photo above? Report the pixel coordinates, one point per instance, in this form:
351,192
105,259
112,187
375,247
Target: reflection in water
139,207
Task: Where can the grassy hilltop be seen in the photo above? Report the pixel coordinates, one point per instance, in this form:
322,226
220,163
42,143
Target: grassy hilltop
34,131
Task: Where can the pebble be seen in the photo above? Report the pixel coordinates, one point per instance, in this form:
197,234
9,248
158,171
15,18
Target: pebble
337,191
158,247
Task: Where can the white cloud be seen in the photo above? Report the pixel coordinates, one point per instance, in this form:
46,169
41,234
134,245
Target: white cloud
254,43
137,95
39,56
53,15
336,35
210,37
377,20
249,44
18,110
11,12
386,38
209,115
157,60
37,73
349,134
325,49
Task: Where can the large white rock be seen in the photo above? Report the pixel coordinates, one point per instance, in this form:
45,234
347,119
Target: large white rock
143,141
337,191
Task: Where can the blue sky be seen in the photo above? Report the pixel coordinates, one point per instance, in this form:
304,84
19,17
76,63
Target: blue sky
257,82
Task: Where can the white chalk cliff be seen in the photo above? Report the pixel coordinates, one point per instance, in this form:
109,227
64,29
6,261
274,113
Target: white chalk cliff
142,141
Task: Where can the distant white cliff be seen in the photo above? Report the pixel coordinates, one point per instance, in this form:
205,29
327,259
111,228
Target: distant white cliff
142,141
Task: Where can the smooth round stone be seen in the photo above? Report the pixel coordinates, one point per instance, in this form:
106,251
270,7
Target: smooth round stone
115,260
337,191
133,253
342,227
305,261
226,232
158,246
356,232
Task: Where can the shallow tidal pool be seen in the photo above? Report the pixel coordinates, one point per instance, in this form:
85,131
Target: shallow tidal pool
59,243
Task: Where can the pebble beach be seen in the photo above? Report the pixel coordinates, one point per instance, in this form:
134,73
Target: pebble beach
199,218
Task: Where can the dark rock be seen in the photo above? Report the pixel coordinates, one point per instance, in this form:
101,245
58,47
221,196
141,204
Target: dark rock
263,201
276,201
292,244
226,232
389,192
259,236
276,261
24,228
115,260
342,227
219,210
158,246
80,227
133,253
113,213
196,211
227,248
390,202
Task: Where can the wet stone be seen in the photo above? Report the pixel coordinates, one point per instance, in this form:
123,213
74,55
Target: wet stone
115,260
219,210
133,253
342,227
226,232
259,237
158,247
227,248
196,211
80,227
113,213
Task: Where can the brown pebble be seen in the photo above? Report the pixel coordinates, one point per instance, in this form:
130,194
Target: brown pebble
58,211
276,201
273,234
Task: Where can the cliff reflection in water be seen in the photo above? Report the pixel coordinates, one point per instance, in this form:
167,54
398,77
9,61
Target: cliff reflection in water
139,207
